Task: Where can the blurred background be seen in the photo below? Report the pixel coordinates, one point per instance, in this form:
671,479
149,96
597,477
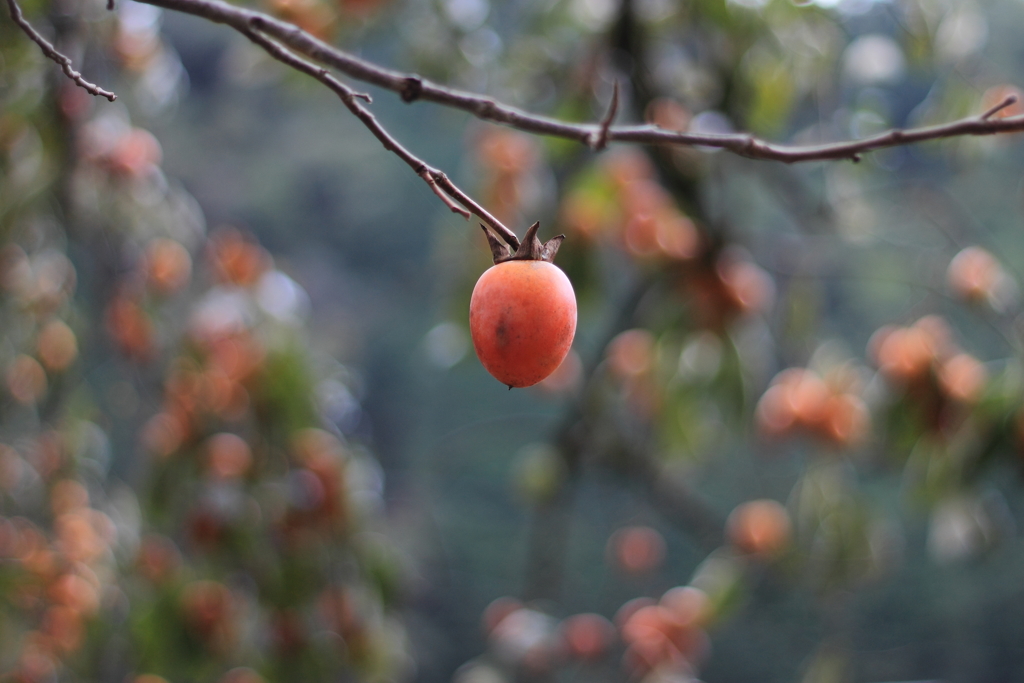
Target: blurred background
245,436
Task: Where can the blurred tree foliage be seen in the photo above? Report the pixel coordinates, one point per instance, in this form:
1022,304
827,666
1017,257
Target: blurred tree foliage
786,445
173,506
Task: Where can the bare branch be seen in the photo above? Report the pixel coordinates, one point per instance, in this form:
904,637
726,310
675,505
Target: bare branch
412,87
428,175
439,183
1007,101
51,53
600,140
445,182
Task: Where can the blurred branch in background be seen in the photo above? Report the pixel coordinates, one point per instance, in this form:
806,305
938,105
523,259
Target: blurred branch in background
63,61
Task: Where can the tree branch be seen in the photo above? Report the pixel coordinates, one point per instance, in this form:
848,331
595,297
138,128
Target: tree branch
51,53
439,183
412,87
1007,101
600,140
451,188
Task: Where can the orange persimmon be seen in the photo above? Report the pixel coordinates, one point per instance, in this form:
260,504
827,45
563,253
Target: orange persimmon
522,315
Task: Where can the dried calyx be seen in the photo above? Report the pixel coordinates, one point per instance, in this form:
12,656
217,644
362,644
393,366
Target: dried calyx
530,249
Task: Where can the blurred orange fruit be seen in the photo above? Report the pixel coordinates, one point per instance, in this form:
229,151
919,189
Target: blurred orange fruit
312,16
163,434
76,593
998,94
759,527
631,353
168,265
135,154
625,165
974,274
963,378
506,151
748,287
587,636
629,607
637,549
846,420
130,327
236,259
78,536
228,456
63,626
905,354
669,114
67,495
56,345
26,380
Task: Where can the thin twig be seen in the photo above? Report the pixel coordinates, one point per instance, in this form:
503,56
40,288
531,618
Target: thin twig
51,53
600,140
428,176
412,87
439,183
1007,101
451,188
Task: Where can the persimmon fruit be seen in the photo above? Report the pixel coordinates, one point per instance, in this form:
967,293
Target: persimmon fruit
587,636
637,549
759,527
57,346
522,315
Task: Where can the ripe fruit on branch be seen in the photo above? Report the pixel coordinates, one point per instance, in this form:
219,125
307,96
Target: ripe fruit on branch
522,315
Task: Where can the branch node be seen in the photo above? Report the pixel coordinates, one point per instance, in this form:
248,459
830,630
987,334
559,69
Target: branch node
453,191
412,88
599,140
429,176
1007,101
487,109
